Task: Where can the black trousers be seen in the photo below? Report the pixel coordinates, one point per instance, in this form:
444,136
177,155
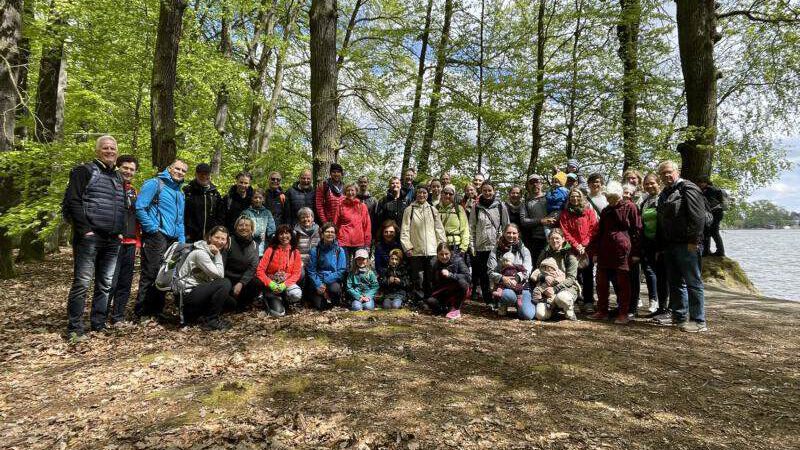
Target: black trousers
321,303
713,233
206,300
419,271
480,274
150,301
121,286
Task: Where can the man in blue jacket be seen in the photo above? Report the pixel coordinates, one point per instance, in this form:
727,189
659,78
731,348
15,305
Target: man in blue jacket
94,203
159,209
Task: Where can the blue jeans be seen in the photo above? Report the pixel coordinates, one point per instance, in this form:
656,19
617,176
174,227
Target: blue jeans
685,283
94,256
524,307
394,300
121,286
655,275
356,305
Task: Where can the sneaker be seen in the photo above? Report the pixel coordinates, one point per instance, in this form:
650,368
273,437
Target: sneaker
622,319
692,326
454,314
571,315
502,310
217,325
588,308
599,315
75,338
664,319
656,313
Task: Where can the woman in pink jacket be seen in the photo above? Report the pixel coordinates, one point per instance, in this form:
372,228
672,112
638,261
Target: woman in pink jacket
352,220
579,222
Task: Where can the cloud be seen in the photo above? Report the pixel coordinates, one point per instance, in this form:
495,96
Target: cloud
785,191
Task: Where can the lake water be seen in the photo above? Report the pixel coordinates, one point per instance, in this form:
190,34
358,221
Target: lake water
769,257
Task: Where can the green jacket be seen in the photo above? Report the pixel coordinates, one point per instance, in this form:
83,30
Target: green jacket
359,284
456,225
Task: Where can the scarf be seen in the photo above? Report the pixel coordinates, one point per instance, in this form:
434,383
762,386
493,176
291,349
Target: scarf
503,246
335,190
243,241
575,209
485,202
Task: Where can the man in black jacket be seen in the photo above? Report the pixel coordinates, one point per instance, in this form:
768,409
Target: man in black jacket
276,199
239,198
203,207
300,195
681,216
716,201
393,205
94,203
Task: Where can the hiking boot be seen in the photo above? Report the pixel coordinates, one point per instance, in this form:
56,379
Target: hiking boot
622,319
588,308
571,315
275,307
502,310
599,315
692,326
75,338
454,314
664,319
216,325
656,313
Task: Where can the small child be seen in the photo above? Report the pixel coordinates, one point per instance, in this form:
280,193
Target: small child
558,195
394,281
362,283
546,277
516,271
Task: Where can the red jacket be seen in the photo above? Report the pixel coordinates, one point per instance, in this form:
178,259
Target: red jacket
326,203
578,229
352,221
283,260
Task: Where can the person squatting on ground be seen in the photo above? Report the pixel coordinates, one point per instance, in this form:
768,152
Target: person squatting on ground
563,296
362,283
512,288
241,260
279,271
451,278
203,276
326,269
94,203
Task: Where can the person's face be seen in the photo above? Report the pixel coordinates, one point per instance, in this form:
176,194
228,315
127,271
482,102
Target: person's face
258,200
408,177
575,198
329,235
471,191
363,184
218,239
350,192
446,179
444,255
555,183
512,235
447,197
178,171
284,237
305,178
572,169
394,261
394,185
127,170
556,241
242,183
651,185
275,180
107,153
202,178
243,228
627,194
477,181
306,221
515,195
361,262
487,192
633,180
669,174
389,234
548,270
336,176
421,195
595,186
536,186
436,189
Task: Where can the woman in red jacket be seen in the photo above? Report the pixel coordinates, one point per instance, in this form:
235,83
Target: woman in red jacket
279,270
352,221
578,221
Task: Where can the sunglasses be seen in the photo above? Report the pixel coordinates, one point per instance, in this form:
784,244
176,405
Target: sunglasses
274,179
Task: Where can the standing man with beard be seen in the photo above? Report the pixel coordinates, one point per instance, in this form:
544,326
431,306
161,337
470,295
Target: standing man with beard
276,199
300,195
239,198
330,194
203,209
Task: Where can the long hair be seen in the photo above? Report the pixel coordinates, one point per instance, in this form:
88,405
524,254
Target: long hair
583,202
386,224
274,243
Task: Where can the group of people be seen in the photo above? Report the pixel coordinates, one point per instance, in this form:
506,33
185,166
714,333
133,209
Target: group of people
543,250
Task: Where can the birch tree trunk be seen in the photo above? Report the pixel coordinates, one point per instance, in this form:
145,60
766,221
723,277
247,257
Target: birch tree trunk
415,111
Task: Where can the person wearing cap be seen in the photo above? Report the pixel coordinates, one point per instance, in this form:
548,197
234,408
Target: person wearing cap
420,234
573,167
455,221
300,195
330,194
239,198
362,283
533,217
203,210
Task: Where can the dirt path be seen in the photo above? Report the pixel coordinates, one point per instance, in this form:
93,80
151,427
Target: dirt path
397,380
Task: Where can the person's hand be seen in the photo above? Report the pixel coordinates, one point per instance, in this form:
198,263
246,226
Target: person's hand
549,279
445,273
321,290
281,286
692,248
89,233
394,280
581,249
364,299
512,283
548,293
237,289
213,249
273,286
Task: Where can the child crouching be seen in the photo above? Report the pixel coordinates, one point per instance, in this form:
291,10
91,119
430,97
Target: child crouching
362,283
394,281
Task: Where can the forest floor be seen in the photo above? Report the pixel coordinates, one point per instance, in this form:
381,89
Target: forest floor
397,379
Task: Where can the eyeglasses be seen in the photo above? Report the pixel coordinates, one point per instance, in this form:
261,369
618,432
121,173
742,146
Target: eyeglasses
275,179
447,193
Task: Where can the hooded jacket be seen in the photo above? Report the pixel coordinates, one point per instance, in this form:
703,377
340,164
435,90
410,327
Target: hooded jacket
297,198
422,230
362,282
280,259
567,263
241,260
486,224
160,207
234,204
456,225
201,267
327,200
618,236
354,228
265,226
306,240
203,210
578,229
326,264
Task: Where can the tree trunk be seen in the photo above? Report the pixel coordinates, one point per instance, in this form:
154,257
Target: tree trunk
324,124
348,32
221,117
258,82
538,105
479,136
573,89
49,110
277,88
697,33
23,63
10,35
628,34
433,106
163,81
415,111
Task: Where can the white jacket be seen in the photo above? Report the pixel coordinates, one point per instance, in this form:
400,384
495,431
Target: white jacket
422,230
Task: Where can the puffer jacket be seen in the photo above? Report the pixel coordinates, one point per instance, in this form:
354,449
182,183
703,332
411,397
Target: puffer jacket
618,237
281,259
297,198
353,225
241,260
456,225
422,230
201,267
681,214
326,264
401,272
486,224
265,226
567,263
306,239
578,228
327,200
164,214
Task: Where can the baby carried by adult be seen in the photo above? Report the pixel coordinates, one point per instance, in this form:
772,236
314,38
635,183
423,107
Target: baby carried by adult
546,277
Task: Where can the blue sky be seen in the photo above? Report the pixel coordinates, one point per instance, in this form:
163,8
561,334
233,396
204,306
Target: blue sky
785,191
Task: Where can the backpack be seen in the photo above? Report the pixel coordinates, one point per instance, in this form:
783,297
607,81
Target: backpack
709,218
726,200
167,278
